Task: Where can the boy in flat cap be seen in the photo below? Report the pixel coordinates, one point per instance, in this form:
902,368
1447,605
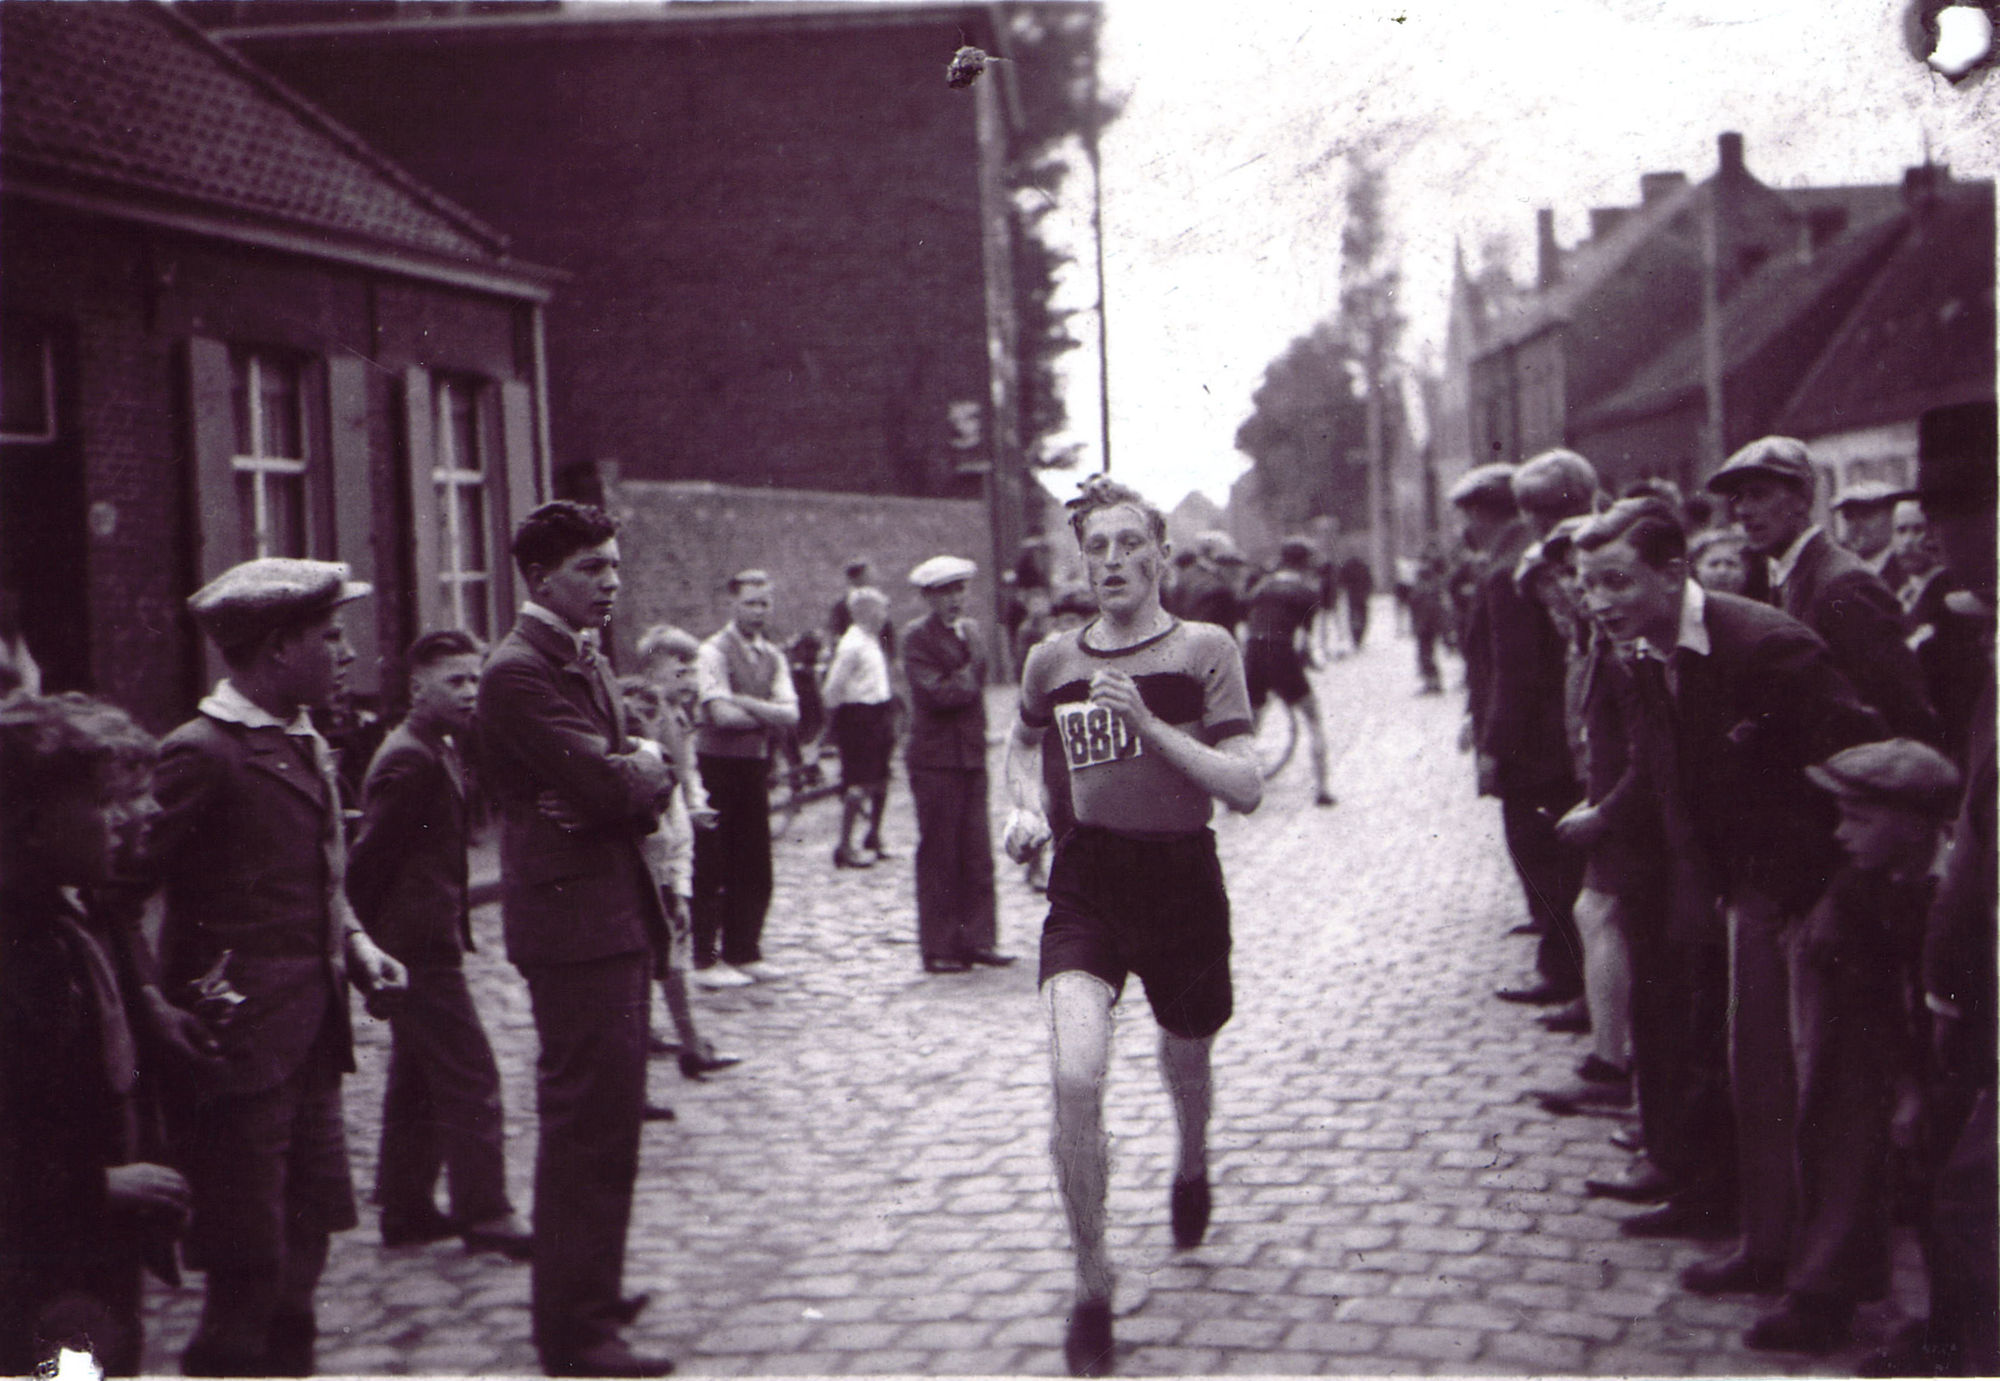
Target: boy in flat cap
1853,1032
945,660
250,845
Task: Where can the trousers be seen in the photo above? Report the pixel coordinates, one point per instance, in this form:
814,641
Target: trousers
732,862
1763,1076
1680,1060
955,906
590,1097
441,1109
1551,874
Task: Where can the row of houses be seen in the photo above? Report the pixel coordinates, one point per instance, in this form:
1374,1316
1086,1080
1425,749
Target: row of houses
368,281
1712,313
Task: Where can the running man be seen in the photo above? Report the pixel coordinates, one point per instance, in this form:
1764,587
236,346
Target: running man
1279,612
1155,725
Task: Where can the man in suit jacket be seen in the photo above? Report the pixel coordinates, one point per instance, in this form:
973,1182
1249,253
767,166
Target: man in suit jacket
250,844
1769,487
1735,701
579,908
946,755
407,879
1515,677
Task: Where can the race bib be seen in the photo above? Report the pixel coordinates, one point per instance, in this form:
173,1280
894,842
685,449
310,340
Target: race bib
1092,735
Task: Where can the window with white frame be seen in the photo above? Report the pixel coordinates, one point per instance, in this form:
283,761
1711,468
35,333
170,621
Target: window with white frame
461,474
273,494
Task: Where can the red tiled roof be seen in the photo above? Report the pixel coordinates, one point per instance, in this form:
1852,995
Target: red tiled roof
109,96
1923,335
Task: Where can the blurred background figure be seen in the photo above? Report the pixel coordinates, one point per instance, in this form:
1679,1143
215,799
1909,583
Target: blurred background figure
862,706
1719,560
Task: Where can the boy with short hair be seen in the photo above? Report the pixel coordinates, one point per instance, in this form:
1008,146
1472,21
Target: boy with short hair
78,1202
656,707
1156,727
407,879
1853,1033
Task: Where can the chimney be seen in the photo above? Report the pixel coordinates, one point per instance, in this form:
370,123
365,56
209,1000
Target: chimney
1654,186
1605,219
1729,155
1548,258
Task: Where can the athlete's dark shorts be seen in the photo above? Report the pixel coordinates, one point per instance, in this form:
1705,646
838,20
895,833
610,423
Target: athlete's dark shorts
1151,907
1274,669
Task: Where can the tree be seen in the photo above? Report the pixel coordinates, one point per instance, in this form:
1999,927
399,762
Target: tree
1369,281
1054,49
1306,433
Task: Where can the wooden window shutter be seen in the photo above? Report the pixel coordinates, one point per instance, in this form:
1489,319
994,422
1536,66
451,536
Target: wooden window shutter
420,446
218,523
352,476
517,440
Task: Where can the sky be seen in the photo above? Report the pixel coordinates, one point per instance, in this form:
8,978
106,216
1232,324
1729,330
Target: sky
1224,173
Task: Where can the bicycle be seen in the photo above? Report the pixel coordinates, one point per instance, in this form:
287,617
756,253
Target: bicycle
1275,734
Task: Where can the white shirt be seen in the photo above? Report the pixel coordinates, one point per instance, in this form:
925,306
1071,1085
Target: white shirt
711,668
859,671
532,610
1781,565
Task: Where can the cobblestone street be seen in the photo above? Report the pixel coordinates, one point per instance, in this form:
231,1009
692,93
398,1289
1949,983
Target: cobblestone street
870,1191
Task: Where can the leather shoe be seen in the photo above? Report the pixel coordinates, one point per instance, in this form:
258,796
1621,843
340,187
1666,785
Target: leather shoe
1803,1323
1679,1217
507,1236
698,1064
418,1230
1645,1185
658,1112
993,959
1572,1018
609,1358
1734,1274
946,966
1584,1096
659,1045
1525,928
1087,1345
631,1306
1543,994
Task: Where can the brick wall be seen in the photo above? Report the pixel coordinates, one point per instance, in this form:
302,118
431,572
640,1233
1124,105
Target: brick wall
680,542
773,235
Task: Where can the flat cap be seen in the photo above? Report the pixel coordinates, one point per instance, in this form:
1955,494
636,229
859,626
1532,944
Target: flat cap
1869,493
1555,482
942,570
1898,770
256,598
1781,457
1485,486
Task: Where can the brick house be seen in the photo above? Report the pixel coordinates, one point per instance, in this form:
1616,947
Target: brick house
785,238
1554,358
231,328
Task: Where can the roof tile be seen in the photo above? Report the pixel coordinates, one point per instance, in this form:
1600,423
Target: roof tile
102,93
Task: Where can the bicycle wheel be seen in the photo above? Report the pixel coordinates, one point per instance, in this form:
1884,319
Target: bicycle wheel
1275,734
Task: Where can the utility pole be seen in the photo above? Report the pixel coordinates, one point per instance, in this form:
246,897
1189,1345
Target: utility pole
1091,128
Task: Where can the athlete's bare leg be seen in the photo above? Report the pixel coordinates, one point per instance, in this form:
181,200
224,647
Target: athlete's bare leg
1316,741
1079,1008
1184,1067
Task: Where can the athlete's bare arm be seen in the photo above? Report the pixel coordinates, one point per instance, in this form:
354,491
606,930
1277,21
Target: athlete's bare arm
1228,771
